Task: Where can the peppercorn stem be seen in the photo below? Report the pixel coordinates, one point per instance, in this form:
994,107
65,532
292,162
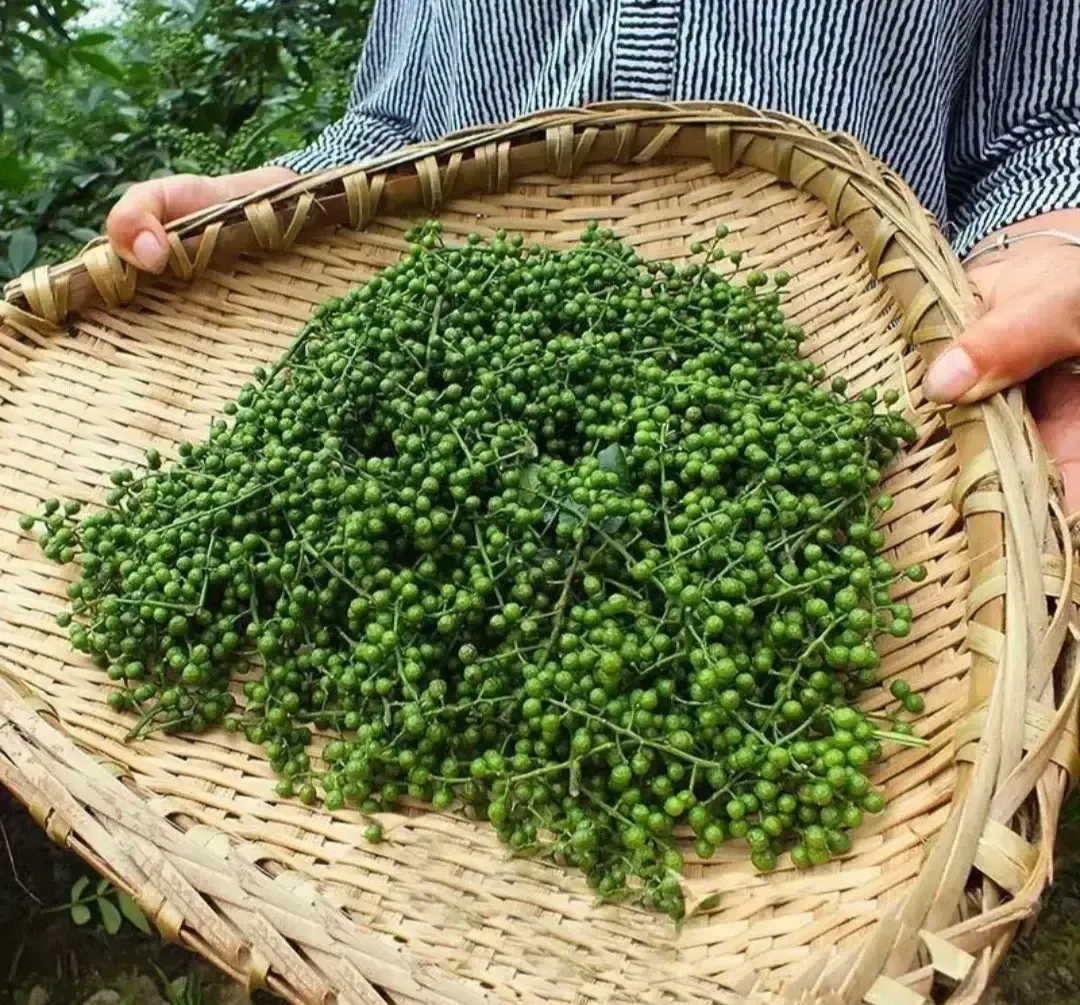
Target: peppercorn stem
243,497
606,724
903,739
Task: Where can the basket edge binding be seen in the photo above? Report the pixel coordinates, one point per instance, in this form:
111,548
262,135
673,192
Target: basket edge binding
1020,546
48,293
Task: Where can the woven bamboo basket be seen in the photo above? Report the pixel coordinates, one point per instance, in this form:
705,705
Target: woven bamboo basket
98,363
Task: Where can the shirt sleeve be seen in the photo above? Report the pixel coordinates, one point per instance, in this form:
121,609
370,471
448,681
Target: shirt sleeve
385,102
1014,146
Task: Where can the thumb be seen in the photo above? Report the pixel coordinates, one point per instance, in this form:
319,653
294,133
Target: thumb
1029,326
135,225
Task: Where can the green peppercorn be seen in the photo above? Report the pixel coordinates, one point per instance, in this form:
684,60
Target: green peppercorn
571,540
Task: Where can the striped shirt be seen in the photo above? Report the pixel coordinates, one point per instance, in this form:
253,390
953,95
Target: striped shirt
975,102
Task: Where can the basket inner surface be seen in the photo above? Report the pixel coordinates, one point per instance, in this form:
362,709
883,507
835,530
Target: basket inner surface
156,372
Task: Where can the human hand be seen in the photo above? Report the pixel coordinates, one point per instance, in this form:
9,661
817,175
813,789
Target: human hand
136,223
1031,320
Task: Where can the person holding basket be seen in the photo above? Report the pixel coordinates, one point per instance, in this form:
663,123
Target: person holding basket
976,103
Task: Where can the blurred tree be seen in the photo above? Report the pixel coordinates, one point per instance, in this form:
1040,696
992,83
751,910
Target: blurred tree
172,85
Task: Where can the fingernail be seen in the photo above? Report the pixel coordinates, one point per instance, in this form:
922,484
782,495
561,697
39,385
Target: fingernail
149,251
951,375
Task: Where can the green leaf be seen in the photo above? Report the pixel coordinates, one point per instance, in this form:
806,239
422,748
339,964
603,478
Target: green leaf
110,916
99,62
250,143
176,991
22,248
130,910
13,175
102,886
56,23
54,55
45,200
83,234
612,458
12,101
713,900
80,914
530,478
79,886
87,39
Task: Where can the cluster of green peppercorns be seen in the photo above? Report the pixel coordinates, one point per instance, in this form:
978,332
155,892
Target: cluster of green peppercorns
568,539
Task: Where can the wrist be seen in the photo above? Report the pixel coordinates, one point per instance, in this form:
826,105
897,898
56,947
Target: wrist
1059,226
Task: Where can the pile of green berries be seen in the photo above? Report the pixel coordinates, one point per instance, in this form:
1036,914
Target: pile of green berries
570,541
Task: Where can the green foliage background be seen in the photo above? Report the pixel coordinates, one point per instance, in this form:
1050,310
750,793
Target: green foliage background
168,86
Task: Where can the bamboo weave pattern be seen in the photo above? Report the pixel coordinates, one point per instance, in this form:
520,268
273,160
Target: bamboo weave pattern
98,363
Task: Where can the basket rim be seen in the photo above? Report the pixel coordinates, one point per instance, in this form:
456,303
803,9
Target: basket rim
96,274
1006,493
